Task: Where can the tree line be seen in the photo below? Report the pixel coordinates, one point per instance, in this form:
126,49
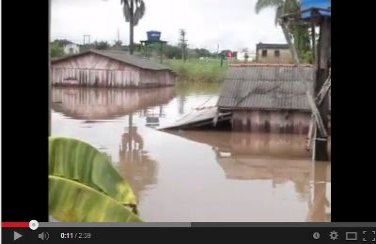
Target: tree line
169,51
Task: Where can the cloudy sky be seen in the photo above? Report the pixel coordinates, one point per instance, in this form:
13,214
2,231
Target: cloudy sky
231,24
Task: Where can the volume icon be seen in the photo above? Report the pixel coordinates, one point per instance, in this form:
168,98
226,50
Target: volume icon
44,236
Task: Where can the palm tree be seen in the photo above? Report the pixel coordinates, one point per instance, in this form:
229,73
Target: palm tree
299,33
133,11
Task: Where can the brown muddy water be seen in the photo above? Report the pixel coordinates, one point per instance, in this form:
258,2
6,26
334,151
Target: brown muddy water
190,176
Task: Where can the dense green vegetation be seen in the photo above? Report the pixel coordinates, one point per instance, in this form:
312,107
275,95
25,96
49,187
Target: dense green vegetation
206,70
56,50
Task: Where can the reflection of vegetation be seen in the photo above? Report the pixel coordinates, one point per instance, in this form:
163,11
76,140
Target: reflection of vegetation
85,187
189,88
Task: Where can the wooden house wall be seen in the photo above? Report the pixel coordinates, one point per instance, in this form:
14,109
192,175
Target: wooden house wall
161,77
96,71
271,121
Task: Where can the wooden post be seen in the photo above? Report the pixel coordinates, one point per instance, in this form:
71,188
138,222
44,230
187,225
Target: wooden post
161,51
321,74
313,32
130,130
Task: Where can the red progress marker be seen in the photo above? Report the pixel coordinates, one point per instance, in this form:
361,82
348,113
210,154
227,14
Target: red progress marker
14,224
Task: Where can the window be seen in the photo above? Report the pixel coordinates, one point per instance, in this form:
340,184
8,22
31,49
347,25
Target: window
276,53
71,50
264,53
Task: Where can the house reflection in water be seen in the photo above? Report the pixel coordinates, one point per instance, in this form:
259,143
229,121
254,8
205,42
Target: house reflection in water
135,165
103,104
280,158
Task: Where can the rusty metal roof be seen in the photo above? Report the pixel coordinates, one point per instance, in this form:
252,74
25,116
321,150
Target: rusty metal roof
266,88
123,57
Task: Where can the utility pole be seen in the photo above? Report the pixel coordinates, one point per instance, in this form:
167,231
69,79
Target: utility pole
183,44
88,37
131,20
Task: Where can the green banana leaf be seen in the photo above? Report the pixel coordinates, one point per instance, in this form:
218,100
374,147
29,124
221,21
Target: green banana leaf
71,201
84,186
79,161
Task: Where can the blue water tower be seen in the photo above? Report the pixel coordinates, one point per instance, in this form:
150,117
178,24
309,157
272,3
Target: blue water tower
154,36
322,7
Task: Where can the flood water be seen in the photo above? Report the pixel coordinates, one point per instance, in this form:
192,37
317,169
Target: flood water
190,176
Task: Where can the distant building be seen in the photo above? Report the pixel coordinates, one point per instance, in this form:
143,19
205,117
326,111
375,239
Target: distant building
243,56
273,53
71,48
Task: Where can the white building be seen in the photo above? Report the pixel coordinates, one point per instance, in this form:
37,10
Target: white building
241,56
71,48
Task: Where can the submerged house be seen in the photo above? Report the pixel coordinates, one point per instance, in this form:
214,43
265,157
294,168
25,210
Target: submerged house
268,98
109,68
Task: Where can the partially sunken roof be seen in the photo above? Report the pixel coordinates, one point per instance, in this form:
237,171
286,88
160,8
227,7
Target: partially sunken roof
123,57
266,88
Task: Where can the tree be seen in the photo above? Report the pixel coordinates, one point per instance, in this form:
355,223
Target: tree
172,51
61,42
133,11
56,50
202,52
102,45
117,44
299,33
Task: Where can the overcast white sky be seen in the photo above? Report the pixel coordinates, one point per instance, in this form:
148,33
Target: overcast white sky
231,24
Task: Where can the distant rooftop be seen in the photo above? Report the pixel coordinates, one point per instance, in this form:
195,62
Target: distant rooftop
271,46
121,56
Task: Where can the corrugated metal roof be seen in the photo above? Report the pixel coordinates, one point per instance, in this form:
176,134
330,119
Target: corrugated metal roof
266,88
124,57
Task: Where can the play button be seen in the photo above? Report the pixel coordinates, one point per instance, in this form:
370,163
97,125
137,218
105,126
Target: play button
16,235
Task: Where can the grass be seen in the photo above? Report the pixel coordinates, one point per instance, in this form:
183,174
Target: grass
198,70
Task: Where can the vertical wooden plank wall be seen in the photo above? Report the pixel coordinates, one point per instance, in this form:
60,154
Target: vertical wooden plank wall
95,77
96,71
271,121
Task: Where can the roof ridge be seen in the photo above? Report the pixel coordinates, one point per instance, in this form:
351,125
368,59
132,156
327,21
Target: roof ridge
122,56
